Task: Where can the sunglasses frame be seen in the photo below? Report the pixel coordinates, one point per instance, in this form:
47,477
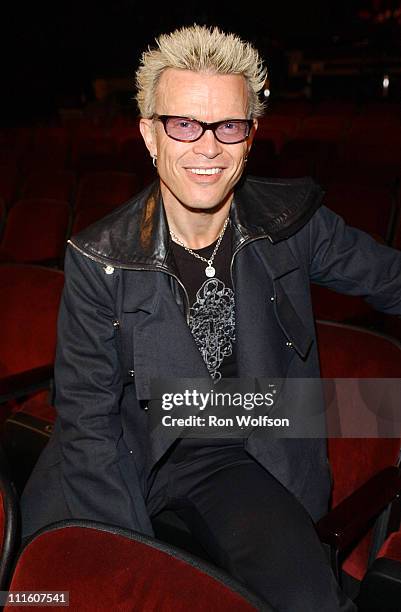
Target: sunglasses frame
205,126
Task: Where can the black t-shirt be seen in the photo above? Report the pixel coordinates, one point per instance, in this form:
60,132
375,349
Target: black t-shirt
212,305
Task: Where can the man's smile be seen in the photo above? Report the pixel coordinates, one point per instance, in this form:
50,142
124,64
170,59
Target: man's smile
205,170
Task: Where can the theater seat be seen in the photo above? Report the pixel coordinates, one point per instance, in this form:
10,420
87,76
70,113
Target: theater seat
106,189
9,523
106,568
305,157
8,182
353,353
35,232
367,207
86,216
28,311
49,183
333,306
93,150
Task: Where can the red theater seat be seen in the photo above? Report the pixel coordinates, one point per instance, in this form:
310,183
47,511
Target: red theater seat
106,568
374,148
367,207
106,189
36,231
332,306
305,157
93,151
348,352
28,311
324,127
87,216
47,183
49,149
371,208
9,179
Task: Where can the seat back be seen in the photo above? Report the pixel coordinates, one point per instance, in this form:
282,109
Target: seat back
107,568
8,182
367,207
36,230
49,183
28,311
106,189
352,352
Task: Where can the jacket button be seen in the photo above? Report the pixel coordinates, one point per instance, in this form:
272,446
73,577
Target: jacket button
116,323
109,269
289,344
131,372
146,407
272,299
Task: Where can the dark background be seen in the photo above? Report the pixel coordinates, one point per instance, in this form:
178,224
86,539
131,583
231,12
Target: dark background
52,53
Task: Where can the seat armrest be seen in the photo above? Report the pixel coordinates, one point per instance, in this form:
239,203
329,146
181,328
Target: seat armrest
350,518
18,385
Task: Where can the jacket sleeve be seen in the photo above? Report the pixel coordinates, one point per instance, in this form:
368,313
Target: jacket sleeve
350,261
89,388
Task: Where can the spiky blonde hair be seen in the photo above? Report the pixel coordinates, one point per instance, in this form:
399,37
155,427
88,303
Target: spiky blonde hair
200,49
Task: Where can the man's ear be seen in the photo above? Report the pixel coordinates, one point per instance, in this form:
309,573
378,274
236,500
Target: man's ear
146,127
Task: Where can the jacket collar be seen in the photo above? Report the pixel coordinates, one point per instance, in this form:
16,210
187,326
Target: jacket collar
136,236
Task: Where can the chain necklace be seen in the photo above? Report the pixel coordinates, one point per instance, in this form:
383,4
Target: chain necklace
210,271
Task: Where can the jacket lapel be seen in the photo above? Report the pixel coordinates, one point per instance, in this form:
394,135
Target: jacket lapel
268,328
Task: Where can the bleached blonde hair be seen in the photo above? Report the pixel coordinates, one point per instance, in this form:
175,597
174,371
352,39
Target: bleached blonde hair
200,49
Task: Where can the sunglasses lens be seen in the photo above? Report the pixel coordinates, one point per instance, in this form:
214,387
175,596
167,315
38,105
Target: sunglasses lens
232,131
183,129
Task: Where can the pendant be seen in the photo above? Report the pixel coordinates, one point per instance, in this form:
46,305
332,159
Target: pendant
210,271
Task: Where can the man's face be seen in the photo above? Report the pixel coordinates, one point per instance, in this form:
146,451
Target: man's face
180,165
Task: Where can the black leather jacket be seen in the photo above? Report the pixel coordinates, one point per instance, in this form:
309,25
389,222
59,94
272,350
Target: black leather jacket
136,237
119,324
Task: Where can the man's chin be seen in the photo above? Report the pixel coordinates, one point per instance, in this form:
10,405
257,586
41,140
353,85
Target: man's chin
195,200
206,202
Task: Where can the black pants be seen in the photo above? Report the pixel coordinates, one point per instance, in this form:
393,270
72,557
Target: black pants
249,524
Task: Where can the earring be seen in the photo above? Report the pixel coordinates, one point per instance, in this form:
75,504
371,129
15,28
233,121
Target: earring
245,159
154,160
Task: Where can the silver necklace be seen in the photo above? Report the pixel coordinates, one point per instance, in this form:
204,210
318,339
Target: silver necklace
210,271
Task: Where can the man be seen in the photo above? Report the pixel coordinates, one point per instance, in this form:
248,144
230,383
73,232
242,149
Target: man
202,275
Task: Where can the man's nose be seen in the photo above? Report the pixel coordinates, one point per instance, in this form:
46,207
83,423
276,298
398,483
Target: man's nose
208,145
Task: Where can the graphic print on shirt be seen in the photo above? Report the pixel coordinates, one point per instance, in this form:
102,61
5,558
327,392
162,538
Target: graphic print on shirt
212,323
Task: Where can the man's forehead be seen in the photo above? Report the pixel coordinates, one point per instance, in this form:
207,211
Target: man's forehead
178,88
